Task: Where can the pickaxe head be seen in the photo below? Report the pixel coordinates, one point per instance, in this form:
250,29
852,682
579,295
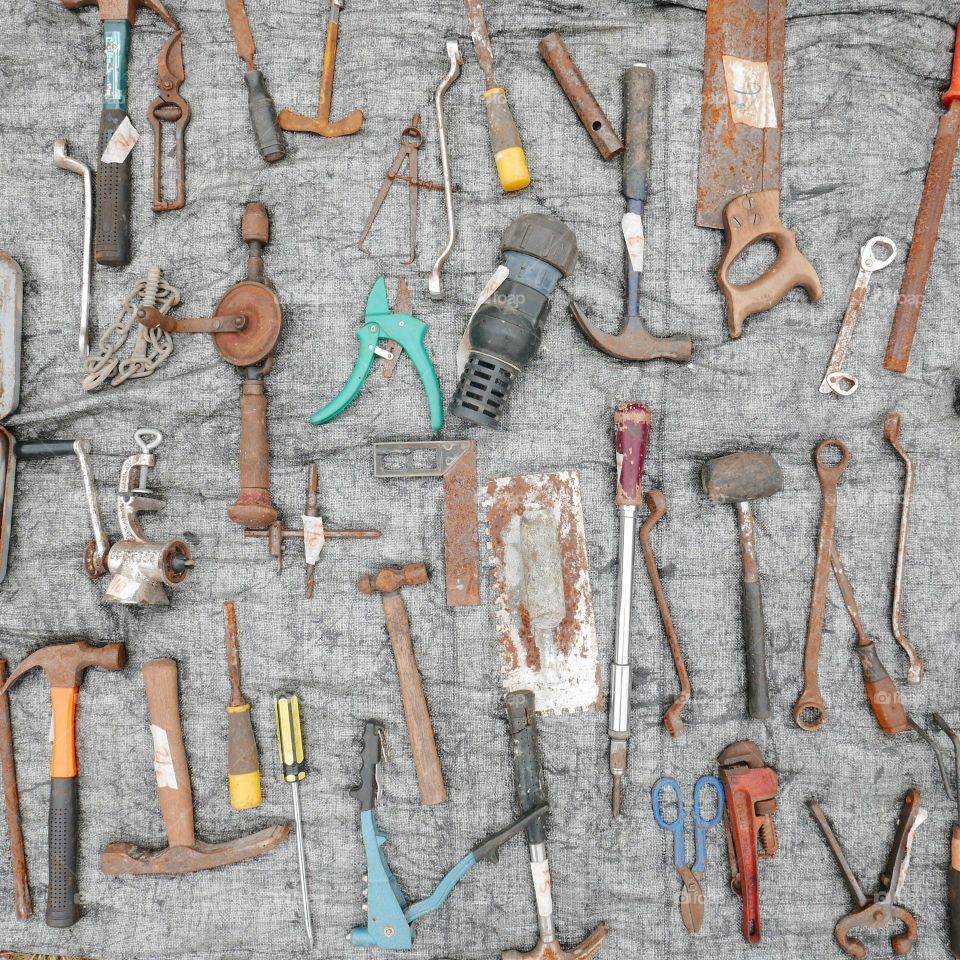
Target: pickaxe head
391,579
64,663
551,950
123,9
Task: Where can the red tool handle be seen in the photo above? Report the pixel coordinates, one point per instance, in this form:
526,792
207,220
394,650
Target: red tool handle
632,424
953,91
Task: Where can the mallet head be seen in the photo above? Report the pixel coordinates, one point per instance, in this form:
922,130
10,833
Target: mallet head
65,663
741,477
391,579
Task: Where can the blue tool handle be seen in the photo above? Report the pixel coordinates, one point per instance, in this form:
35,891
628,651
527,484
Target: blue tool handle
701,826
444,888
368,340
672,826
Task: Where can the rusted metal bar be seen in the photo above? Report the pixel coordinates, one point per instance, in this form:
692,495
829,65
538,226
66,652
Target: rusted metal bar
11,796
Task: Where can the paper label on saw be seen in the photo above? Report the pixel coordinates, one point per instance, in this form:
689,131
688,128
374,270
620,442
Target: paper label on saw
542,887
750,92
124,139
313,538
632,225
491,287
162,759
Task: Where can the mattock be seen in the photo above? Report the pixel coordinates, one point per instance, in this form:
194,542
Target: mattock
836,380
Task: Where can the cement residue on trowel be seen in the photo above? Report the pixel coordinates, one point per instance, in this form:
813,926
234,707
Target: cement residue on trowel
542,596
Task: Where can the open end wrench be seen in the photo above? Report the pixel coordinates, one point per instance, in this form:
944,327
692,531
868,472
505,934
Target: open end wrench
891,432
871,259
810,712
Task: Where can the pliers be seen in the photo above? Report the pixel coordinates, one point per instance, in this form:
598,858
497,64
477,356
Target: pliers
169,107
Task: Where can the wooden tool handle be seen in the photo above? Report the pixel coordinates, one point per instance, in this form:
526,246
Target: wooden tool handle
423,744
953,91
112,239
954,890
882,693
751,617
11,795
505,141
638,90
748,220
169,753
253,507
631,422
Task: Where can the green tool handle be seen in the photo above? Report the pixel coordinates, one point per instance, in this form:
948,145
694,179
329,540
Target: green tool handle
368,340
421,361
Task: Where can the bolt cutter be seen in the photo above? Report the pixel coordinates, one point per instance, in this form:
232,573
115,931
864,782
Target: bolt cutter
408,333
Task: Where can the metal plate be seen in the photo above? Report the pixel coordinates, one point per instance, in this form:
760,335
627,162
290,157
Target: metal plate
253,344
736,158
11,314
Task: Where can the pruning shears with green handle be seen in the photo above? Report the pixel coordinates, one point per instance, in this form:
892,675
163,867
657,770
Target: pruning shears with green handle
407,333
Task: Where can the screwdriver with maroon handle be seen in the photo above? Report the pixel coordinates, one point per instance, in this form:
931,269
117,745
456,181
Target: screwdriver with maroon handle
632,426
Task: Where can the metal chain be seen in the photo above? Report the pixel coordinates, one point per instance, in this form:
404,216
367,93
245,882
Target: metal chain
151,346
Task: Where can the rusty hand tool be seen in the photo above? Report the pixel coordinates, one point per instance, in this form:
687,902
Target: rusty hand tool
313,534
455,57
891,432
411,140
836,380
631,423
691,896
881,910
504,135
170,107
531,795
953,793
290,741
739,182
882,693
927,228
66,162
320,124
184,853
600,130
456,462
739,478
11,797
810,711
64,665
388,582
657,505
263,113
750,792
243,760
634,341
112,244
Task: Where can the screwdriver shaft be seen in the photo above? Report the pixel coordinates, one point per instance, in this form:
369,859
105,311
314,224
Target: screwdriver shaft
302,864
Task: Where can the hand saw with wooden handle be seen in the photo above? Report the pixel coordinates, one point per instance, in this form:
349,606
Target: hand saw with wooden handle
739,184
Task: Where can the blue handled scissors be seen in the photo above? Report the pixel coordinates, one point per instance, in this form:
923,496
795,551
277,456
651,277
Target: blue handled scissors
691,898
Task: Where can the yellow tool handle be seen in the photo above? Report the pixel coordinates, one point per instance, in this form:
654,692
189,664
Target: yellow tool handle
290,738
243,762
505,141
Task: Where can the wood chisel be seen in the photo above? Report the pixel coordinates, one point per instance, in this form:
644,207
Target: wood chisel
243,761
504,135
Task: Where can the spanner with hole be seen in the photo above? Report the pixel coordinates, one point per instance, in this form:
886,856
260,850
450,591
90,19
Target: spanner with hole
810,711
872,259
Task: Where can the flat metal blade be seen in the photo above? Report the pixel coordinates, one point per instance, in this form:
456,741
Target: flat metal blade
740,157
11,320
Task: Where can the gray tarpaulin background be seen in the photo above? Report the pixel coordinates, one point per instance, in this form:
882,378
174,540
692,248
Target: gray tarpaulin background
862,104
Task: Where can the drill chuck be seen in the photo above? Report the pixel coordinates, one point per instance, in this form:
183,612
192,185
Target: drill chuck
505,331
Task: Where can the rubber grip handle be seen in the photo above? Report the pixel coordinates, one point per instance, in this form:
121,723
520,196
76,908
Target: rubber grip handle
505,142
953,91
631,423
638,89
263,118
953,890
111,246
62,908
41,449
882,692
525,750
253,508
755,644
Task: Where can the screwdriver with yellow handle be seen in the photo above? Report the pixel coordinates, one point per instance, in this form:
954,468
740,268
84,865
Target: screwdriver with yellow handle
504,135
243,761
290,742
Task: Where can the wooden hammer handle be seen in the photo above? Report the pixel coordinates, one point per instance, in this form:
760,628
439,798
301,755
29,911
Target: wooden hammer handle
423,744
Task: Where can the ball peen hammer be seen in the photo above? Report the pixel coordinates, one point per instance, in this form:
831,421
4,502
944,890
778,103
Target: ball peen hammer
388,582
64,664
737,479
112,240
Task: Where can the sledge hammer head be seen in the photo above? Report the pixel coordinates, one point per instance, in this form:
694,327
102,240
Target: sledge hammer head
552,951
741,477
391,579
64,663
123,9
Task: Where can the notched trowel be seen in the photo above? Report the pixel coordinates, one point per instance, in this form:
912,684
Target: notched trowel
542,595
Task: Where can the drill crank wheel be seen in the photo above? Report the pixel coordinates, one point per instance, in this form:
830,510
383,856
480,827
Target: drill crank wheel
260,305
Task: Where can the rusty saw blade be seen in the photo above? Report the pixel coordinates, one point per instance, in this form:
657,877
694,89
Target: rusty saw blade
541,587
742,103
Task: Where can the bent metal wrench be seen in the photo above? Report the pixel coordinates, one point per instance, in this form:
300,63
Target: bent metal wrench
875,254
